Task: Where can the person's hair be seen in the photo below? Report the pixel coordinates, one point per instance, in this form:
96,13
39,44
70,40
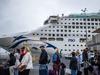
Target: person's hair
73,53
18,50
42,47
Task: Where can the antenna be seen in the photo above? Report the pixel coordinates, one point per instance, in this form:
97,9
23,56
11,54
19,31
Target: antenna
84,10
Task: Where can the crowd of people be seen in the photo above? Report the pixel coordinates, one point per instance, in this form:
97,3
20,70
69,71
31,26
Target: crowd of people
20,63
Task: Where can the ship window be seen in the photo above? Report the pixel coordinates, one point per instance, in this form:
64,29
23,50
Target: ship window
65,23
80,23
49,26
65,35
81,27
57,30
84,27
69,45
49,30
77,26
84,23
69,35
43,38
77,45
88,19
53,30
82,39
61,26
76,19
77,23
69,50
41,34
61,34
61,23
73,34
73,22
65,30
77,35
33,34
88,35
53,26
37,34
41,30
69,19
65,26
69,30
73,26
81,45
65,19
57,26
68,23
92,23
59,39
65,49
73,45
51,39
96,23
69,26
88,30
45,30
57,34
88,27
92,19
81,35
53,34
45,34
61,30
96,19
49,34
65,44
88,23
84,19
92,27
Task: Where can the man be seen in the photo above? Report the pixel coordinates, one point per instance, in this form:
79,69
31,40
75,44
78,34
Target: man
56,62
43,60
73,64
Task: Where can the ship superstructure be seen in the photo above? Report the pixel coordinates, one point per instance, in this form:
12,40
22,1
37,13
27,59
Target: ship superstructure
68,33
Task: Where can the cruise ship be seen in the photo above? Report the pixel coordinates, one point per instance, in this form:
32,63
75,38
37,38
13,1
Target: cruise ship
68,33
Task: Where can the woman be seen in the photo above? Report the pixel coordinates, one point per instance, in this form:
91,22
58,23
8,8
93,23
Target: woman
26,61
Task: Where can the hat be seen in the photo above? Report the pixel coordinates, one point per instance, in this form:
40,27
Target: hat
42,46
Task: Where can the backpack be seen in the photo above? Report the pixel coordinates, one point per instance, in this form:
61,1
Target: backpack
55,58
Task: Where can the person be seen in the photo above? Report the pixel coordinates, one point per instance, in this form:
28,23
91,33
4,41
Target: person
85,61
85,54
43,60
73,64
17,56
11,63
26,61
56,62
63,66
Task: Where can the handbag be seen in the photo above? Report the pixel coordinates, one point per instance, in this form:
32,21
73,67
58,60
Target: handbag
21,67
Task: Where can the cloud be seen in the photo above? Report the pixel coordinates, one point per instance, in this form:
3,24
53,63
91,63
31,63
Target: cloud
26,15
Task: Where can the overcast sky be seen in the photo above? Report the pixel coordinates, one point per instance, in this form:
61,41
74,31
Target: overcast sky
26,15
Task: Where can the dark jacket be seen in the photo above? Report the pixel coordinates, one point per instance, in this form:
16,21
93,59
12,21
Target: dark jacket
73,63
43,57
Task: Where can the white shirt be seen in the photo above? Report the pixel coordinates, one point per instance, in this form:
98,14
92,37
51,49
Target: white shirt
27,60
17,56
